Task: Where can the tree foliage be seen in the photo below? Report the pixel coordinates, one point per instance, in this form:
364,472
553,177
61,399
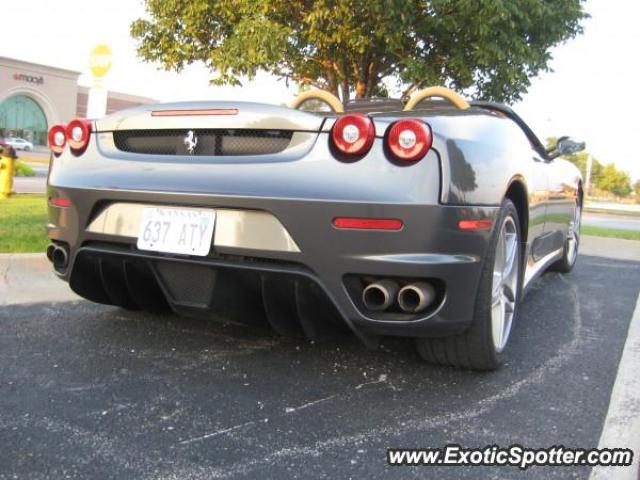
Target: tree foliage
615,181
490,49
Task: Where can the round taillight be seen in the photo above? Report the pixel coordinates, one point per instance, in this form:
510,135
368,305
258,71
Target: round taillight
353,134
409,140
78,133
57,139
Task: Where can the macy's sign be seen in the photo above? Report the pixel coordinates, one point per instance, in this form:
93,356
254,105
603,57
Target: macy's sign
28,78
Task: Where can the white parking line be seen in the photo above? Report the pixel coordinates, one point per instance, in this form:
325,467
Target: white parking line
622,425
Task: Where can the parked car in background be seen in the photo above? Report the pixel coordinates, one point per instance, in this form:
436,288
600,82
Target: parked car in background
19,143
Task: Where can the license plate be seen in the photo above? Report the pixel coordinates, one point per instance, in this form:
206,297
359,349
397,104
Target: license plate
186,231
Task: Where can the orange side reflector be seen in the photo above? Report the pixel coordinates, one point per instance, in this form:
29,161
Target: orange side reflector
190,113
368,223
474,224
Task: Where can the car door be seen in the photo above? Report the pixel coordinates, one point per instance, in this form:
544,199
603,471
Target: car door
538,187
560,205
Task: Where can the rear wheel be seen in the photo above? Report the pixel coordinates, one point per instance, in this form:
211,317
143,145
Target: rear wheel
571,244
482,345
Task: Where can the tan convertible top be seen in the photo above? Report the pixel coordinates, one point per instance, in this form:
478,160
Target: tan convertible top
336,105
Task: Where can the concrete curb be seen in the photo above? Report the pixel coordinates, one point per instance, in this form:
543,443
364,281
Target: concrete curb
29,278
613,208
610,211
622,425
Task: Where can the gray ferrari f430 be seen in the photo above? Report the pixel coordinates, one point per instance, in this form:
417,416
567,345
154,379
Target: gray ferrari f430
426,220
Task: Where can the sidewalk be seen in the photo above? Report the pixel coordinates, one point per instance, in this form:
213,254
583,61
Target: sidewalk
36,184
30,184
610,248
612,208
29,278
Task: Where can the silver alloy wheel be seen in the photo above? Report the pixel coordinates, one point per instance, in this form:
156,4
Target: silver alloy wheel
506,273
573,237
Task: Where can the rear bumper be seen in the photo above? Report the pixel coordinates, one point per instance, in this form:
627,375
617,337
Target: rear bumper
430,246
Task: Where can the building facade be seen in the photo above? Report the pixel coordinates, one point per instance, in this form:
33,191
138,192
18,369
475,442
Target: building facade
35,97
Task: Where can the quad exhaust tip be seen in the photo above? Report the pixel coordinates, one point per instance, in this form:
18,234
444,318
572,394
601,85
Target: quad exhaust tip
416,297
380,295
412,298
50,249
58,256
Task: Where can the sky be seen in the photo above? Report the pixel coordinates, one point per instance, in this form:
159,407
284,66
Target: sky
591,94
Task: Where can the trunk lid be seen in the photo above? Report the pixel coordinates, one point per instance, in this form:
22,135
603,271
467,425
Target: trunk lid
210,116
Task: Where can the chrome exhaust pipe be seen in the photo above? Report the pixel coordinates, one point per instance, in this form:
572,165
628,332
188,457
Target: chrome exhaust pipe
380,295
60,257
414,298
50,249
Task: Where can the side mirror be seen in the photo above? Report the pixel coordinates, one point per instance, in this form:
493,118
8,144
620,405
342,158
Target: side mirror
565,146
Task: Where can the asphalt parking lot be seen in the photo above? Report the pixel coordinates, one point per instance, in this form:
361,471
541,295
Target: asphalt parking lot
92,391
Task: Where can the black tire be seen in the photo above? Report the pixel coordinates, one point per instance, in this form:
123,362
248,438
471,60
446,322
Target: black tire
569,257
474,348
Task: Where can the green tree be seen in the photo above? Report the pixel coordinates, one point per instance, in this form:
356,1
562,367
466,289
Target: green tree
615,181
604,177
636,189
489,49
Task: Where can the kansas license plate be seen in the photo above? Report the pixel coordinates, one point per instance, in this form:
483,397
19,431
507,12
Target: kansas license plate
177,230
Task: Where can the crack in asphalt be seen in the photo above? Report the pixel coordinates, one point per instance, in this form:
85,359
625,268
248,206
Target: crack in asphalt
309,404
216,433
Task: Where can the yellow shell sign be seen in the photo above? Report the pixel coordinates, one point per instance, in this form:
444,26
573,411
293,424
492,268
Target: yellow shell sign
100,61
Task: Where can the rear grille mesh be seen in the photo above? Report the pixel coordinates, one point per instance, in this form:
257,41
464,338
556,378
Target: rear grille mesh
231,142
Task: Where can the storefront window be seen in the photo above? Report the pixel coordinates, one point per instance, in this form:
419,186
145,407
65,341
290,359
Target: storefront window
21,116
